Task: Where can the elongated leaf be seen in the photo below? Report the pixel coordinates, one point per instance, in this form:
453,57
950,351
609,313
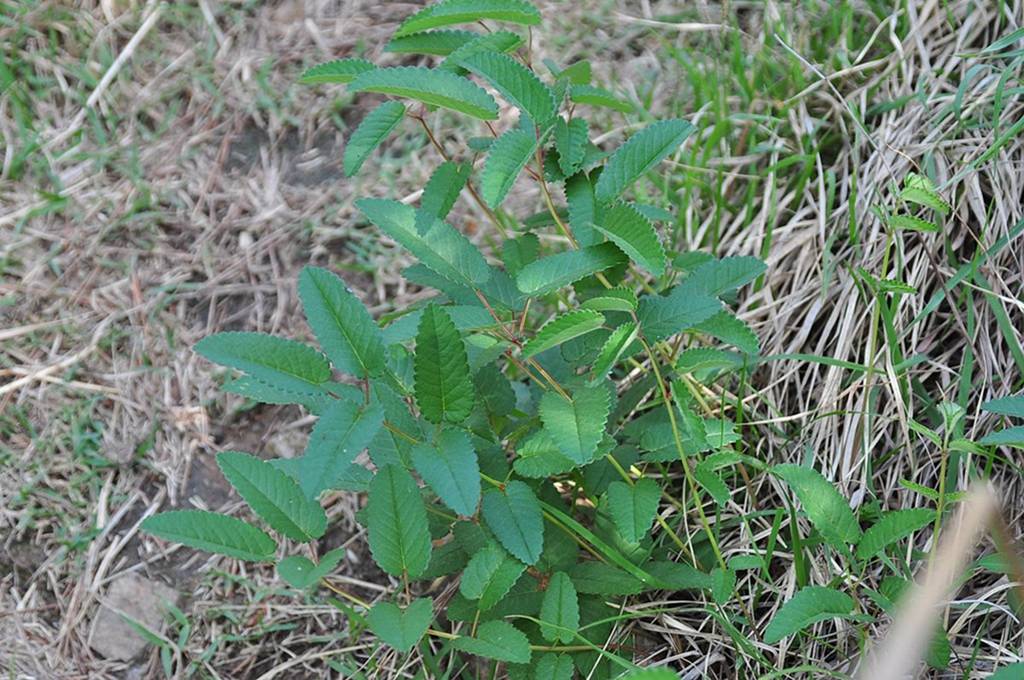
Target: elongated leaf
809,606
397,523
508,156
284,364
626,227
911,223
717,277
264,393
441,247
489,576
562,329
300,572
633,507
571,143
650,674
497,640
274,496
612,300
337,71
892,527
342,432
640,153
345,330
583,209
451,12
539,456
1006,406
212,532
598,578
678,311
1011,436
437,43
401,628
498,41
519,252
828,511
597,96
440,193
444,389
430,86
730,330
560,610
516,83
921,190
373,130
576,425
515,518
614,347
1012,671
554,667
450,468
548,274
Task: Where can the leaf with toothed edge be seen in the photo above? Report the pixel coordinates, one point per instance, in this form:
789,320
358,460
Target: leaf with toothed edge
396,523
576,425
548,274
401,628
506,159
450,468
431,86
640,153
337,71
443,386
809,606
560,610
514,515
212,532
497,640
515,83
452,12
571,143
283,364
562,329
626,227
372,130
489,576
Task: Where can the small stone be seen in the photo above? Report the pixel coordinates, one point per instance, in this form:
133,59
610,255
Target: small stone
136,597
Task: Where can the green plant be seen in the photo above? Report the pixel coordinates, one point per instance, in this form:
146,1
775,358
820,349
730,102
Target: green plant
529,428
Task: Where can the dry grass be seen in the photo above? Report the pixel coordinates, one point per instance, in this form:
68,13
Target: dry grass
182,195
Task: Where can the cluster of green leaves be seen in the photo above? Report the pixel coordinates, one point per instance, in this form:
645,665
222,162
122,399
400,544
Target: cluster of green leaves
520,424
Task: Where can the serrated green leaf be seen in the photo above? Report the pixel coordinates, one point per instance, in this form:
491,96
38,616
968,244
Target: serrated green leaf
396,522
650,674
711,483
430,86
1013,671
550,273
911,223
438,43
597,96
450,468
489,576
627,228
372,130
1006,406
336,71
212,532
809,606
582,209
921,190
560,610
576,425
1011,436
283,364
697,359
640,153
633,507
506,159
273,495
892,527
612,300
562,329
496,640
498,41
663,316
401,628
339,435
300,572
514,82
717,277
614,347
259,391
678,576
828,511
346,331
440,193
598,578
554,667
571,143
444,389
539,457
440,248
514,515
451,12
725,326
518,252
